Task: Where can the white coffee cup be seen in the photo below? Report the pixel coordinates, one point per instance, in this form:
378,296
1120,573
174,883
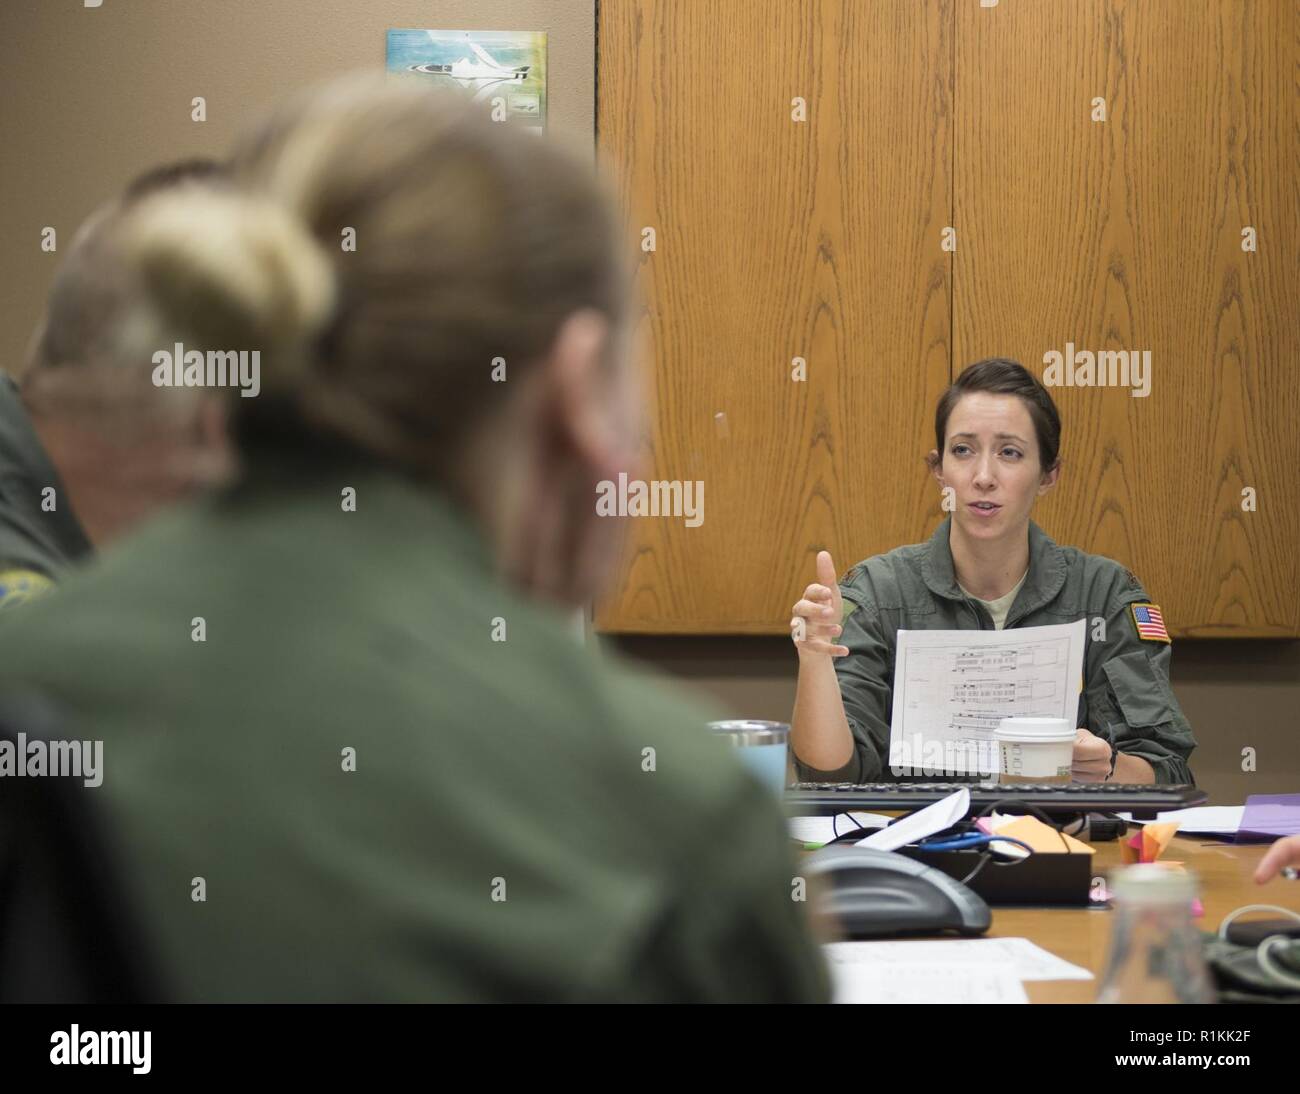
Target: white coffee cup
1035,750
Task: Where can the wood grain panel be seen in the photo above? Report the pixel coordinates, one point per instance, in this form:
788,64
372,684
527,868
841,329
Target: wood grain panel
778,239
1126,234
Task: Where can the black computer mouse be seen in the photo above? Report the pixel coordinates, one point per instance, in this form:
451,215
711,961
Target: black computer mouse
880,894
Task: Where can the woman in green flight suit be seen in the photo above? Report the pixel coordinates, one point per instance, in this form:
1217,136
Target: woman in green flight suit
987,566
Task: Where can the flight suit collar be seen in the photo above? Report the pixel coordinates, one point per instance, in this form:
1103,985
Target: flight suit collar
54,540
401,514
1047,570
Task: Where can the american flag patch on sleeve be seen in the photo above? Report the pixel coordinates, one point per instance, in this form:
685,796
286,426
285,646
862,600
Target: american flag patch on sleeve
1150,623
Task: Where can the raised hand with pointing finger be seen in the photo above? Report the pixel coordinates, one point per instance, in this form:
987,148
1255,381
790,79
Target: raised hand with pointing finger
816,621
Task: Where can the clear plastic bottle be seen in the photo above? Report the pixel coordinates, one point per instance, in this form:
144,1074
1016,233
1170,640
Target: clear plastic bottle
1156,954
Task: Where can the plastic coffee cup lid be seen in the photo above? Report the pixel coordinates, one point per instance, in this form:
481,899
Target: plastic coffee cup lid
1047,730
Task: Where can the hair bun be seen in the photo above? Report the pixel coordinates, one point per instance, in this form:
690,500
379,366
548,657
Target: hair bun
231,271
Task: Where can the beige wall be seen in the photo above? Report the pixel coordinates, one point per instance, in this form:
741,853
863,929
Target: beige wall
1236,693
93,96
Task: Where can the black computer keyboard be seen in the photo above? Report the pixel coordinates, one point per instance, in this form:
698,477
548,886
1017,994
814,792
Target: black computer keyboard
1140,800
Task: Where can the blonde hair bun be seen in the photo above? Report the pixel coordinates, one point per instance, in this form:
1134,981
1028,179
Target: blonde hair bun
230,271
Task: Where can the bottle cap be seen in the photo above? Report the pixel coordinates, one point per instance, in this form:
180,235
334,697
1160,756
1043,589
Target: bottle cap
1151,883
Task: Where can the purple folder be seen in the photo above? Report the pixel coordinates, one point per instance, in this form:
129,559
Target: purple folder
1269,816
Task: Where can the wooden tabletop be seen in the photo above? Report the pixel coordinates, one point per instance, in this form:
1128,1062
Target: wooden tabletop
1081,936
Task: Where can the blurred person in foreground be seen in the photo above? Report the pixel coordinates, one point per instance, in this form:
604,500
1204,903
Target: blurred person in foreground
351,748
89,448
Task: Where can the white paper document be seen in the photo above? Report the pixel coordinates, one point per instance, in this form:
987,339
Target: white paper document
936,817
1024,959
1208,820
854,983
825,829
952,688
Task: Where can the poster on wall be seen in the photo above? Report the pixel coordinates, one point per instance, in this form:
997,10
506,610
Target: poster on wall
503,69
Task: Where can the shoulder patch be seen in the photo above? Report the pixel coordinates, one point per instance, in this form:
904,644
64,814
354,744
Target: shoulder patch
1150,623
19,585
1133,582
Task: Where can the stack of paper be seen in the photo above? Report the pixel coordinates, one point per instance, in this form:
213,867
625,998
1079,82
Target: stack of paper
1209,820
821,830
921,983
977,970
1270,816
1263,817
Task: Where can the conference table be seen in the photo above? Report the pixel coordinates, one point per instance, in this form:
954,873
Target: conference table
1082,935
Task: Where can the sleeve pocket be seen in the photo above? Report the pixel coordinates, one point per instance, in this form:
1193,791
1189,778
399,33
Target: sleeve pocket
1144,699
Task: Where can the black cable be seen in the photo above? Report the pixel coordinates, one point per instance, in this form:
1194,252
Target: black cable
837,834
1033,810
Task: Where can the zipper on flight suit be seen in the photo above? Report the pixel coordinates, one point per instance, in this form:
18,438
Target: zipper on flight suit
979,614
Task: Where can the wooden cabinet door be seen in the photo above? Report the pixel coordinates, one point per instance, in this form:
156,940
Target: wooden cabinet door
779,239
1126,234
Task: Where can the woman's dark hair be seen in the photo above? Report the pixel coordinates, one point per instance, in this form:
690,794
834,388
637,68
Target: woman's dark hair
1000,376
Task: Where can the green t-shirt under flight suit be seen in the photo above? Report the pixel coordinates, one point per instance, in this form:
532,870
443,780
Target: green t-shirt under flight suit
1126,699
